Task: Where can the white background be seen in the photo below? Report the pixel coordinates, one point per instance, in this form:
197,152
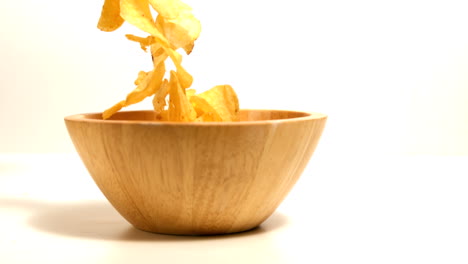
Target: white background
391,75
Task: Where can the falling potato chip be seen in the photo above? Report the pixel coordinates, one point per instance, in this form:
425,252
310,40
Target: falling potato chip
137,13
180,108
141,76
163,116
147,86
110,19
185,78
159,99
158,54
144,42
204,110
181,31
223,101
175,27
147,83
114,109
190,92
170,9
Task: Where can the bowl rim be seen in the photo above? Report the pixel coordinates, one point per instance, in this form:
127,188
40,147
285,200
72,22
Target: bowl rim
307,116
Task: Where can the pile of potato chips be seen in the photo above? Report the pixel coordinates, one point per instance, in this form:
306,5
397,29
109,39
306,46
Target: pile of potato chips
175,27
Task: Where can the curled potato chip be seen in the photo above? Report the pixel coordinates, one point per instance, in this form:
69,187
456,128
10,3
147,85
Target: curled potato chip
184,77
114,109
190,92
110,19
181,32
163,116
144,42
141,76
158,54
205,112
137,13
170,9
147,86
159,99
175,27
223,100
180,108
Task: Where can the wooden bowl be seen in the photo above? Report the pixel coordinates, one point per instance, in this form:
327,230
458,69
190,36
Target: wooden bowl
196,178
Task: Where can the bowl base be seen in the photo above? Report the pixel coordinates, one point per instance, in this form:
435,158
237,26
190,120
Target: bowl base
199,233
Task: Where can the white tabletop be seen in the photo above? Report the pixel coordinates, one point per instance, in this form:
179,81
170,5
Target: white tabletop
359,210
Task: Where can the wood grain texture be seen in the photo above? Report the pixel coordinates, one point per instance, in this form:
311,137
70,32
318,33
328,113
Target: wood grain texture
196,178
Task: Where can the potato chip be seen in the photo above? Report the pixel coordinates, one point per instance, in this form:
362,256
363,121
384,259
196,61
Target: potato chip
184,77
141,76
222,99
190,92
170,9
179,25
159,99
114,109
144,42
180,108
163,116
147,86
204,110
110,19
137,13
181,31
158,54
175,27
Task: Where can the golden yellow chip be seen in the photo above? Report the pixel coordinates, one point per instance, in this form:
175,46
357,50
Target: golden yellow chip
190,92
204,110
170,9
163,116
223,100
158,54
181,31
137,13
184,77
110,19
141,76
144,42
114,109
175,27
159,99
180,108
147,86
